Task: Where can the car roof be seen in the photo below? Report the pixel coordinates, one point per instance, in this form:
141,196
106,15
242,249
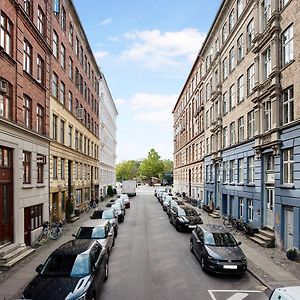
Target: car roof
186,207
74,247
292,291
213,228
95,223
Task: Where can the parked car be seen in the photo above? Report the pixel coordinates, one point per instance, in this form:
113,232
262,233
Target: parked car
184,217
119,212
122,203
167,201
172,204
108,214
217,250
126,200
285,293
163,197
158,190
100,230
75,270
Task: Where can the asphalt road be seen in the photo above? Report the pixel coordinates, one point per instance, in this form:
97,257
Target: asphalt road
152,261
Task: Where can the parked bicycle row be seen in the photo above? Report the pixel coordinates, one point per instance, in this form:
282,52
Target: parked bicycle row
215,247
78,268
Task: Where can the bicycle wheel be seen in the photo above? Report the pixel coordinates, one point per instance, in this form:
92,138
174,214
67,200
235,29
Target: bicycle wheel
54,233
41,235
227,223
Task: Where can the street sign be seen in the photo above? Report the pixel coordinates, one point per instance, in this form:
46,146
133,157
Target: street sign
236,295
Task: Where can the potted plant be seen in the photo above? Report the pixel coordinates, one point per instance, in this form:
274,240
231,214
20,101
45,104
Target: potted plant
292,253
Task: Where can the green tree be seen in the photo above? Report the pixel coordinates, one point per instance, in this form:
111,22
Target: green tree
151,166
168,165
127,170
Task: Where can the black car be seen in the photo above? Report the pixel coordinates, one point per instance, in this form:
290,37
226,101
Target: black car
172,204
217,250
184,217
75,270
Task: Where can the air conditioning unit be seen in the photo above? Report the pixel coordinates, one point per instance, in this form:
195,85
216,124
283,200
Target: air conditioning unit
79,113
3,86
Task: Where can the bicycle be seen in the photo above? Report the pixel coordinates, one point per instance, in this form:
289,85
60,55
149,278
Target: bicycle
56,230
230,222
45,231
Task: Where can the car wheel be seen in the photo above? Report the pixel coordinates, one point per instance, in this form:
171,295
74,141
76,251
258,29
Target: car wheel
191,246
170,221
116,232
202,263
113,244
106,271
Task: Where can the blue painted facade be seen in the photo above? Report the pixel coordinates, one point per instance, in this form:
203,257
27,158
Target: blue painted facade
257,208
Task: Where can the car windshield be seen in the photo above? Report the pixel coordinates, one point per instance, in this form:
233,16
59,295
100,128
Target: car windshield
62,265
117,206
108,214
97,214
190,212
219,239
181,212
91,233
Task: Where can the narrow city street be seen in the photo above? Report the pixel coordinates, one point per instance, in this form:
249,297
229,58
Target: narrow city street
151,260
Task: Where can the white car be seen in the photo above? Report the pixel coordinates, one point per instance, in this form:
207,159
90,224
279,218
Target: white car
126,200
286,293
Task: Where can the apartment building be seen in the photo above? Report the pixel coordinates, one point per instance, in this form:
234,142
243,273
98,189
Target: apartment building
248,79
108,142
24,119
74,113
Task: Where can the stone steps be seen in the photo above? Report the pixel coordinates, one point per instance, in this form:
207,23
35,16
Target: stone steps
264,238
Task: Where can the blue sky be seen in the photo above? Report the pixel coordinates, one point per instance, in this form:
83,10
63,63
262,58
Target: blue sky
146,50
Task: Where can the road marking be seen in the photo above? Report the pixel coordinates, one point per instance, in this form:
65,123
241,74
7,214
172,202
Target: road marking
237,293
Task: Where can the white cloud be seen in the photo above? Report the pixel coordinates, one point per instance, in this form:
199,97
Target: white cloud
105,22
156,48
100,54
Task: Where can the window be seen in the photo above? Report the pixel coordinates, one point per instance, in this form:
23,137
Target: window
70,68
63,19
267,63
40,159
250,209
76,170
55,44
231,170
250,34
40,119
27,111
54,85
56,7
225,100
284,3
80,142
266,12
6,104
240,45
287,40
288,166
288,105
71,32
241,170
36,216
241,129
77,46
250,169
62,93
70,130
54,167
231,59
231,20
62,131
225,171
6,34
232,134
240,89
40,70
224,32
240,7
250,125
62,56
225,68
26,167
224,137
76,140
268,115
28,7
250,79
27,57
62,168
241,207
78,197
70,101
41,21
54,129
231,97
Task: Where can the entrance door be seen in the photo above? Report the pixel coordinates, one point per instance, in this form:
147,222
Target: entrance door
269,207
6,213
27,226
288,229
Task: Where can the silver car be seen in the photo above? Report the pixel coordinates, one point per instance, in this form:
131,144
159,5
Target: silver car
110,215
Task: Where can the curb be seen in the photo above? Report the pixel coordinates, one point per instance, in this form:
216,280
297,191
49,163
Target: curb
260,279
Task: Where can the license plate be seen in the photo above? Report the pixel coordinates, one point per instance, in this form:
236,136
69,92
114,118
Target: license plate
231,267
192,226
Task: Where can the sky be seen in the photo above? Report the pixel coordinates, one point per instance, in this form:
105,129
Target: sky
146,50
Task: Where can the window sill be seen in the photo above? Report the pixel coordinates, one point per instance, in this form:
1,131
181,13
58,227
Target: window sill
27,186
232,183
287,65
240,184
287,186
225,183
40,185
250,184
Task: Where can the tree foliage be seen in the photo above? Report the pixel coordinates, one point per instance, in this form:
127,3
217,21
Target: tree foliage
151,166
168,165
127,170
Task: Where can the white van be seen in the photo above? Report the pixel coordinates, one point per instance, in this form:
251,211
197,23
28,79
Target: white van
286,293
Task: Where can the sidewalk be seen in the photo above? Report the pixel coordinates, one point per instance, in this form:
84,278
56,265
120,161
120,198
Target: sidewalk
269,265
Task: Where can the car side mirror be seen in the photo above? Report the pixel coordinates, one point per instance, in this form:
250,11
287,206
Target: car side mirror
109,234
239,243
199,241
74,235
39,268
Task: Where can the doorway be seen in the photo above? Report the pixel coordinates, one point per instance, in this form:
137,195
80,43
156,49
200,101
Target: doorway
288,228
269,207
